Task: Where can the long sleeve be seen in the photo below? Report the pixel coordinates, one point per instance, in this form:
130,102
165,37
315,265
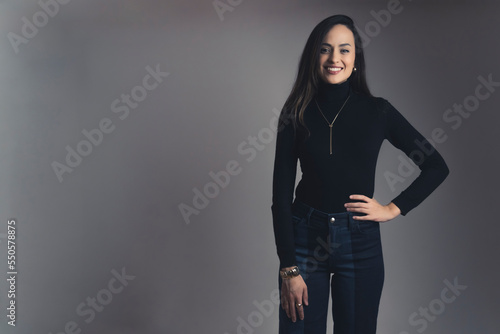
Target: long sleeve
433,169
285,169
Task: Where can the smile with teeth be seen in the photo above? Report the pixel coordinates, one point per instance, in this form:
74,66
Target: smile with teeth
334,69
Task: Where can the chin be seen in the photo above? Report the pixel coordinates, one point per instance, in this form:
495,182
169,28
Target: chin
335,81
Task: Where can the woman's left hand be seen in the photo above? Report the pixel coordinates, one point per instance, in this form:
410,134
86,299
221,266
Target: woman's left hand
372,208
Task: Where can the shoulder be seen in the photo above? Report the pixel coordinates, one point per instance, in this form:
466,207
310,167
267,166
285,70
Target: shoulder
373,100
376,104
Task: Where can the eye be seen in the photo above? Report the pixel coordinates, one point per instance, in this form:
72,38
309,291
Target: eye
325,50
344,51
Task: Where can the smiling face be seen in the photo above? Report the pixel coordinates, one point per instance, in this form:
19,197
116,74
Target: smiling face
337,53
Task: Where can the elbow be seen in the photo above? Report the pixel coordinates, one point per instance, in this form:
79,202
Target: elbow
441,167
444,171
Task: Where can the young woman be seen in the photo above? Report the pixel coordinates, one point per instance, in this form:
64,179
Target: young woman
328,237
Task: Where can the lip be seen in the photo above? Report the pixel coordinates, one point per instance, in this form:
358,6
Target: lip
332,72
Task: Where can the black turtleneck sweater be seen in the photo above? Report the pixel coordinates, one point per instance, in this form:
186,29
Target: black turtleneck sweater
328,180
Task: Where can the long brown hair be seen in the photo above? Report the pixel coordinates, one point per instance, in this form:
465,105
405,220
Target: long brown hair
307,81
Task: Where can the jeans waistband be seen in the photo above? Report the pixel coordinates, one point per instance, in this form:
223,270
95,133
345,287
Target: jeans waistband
337,218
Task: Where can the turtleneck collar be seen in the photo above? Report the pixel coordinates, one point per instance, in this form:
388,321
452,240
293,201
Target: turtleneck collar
328,93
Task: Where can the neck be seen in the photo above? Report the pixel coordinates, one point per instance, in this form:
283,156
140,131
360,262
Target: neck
328,92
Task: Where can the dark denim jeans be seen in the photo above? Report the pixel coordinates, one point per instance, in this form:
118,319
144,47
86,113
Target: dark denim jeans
351,250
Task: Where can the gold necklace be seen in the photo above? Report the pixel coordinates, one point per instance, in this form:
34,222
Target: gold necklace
331,124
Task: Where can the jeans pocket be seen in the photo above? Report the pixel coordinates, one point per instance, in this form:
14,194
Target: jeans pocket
296,220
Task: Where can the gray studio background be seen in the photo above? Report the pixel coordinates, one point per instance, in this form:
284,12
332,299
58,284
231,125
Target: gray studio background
117,213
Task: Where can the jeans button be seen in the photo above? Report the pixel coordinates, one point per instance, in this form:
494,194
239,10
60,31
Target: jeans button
332,219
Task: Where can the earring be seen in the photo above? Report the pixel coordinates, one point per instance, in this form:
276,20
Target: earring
355,69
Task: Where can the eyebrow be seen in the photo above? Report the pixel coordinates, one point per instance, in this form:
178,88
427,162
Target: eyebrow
344,44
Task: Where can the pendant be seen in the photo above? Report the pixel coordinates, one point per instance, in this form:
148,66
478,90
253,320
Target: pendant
331,125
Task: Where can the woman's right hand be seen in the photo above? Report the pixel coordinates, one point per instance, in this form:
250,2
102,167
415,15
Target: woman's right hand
293,292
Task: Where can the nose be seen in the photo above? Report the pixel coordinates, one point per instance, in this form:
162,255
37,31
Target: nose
335,56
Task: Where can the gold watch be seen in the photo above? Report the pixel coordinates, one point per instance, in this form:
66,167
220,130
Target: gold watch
287,274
